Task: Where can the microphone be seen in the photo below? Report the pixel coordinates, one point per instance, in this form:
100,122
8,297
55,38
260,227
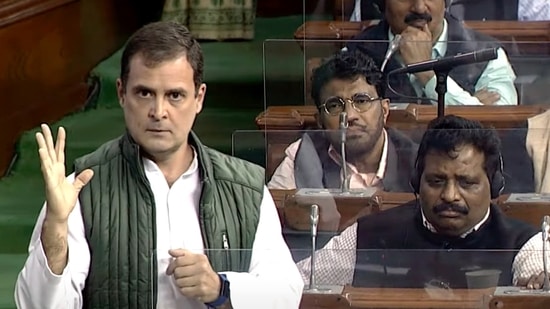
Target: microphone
394,46
545,234
314,221
343,128
447,63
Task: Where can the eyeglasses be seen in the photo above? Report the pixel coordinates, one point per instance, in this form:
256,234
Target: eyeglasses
361,102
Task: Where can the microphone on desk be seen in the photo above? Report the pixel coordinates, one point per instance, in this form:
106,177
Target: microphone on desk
343,130
447,63
545,235
314,217
394,46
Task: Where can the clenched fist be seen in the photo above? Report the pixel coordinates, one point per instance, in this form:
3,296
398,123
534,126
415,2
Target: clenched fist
194,276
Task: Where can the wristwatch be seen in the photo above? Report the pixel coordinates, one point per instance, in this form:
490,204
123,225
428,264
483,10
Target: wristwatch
224,293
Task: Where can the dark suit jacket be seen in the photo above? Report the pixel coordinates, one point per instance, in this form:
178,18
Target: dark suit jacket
518,166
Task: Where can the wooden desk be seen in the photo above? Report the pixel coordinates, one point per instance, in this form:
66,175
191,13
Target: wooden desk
352,297
403,116
526,33
283,123
295,214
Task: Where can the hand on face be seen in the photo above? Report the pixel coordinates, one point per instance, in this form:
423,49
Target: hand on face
194,276
416,44
533,283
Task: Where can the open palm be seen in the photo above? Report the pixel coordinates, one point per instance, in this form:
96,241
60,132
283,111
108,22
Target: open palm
61,194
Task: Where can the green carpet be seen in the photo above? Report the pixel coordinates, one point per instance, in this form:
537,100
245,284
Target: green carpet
234,73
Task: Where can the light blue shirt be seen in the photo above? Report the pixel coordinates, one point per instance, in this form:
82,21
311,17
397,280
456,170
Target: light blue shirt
528,10
498,76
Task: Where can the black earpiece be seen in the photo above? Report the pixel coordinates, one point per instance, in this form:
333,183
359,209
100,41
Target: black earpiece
496,182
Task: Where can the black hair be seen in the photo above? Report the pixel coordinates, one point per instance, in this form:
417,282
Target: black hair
345,65
446,134
162,41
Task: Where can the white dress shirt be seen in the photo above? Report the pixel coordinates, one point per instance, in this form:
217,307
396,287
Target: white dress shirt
335,262
273,280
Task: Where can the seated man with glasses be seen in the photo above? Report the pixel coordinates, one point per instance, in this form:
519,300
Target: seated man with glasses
375,156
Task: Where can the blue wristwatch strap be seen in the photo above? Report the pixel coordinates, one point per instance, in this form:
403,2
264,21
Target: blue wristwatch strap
224,293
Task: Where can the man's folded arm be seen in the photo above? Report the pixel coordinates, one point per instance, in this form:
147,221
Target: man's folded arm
498,77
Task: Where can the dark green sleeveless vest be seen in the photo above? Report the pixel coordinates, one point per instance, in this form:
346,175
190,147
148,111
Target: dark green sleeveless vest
118,209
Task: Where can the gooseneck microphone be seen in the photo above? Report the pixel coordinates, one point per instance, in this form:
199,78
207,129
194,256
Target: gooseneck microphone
394,46
343,128
447,63
314,217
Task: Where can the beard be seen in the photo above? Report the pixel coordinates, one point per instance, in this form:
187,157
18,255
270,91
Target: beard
359,139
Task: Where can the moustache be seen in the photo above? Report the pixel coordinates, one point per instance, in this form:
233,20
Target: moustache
357,127
412,17
453,207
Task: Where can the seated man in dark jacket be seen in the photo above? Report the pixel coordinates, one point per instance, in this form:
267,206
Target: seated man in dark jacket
376,156
452,228
427,32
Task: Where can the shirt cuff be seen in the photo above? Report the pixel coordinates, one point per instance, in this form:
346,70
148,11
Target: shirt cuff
249,291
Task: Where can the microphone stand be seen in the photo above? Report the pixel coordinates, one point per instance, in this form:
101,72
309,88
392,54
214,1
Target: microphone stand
441,89
313,288
344,189
343,128
314,221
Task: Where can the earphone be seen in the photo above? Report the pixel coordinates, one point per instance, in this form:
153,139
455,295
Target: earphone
496,181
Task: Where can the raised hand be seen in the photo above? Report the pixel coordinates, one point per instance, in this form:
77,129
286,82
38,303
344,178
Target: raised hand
61,194
194,276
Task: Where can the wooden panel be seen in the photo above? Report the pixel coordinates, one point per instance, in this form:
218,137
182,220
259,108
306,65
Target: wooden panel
525,32
520,302
411,116
48,48
294,212
353,297
378,298
412,119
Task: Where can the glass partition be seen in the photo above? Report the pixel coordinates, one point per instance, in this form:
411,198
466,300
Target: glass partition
516,75
303,168
396,278
523,150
